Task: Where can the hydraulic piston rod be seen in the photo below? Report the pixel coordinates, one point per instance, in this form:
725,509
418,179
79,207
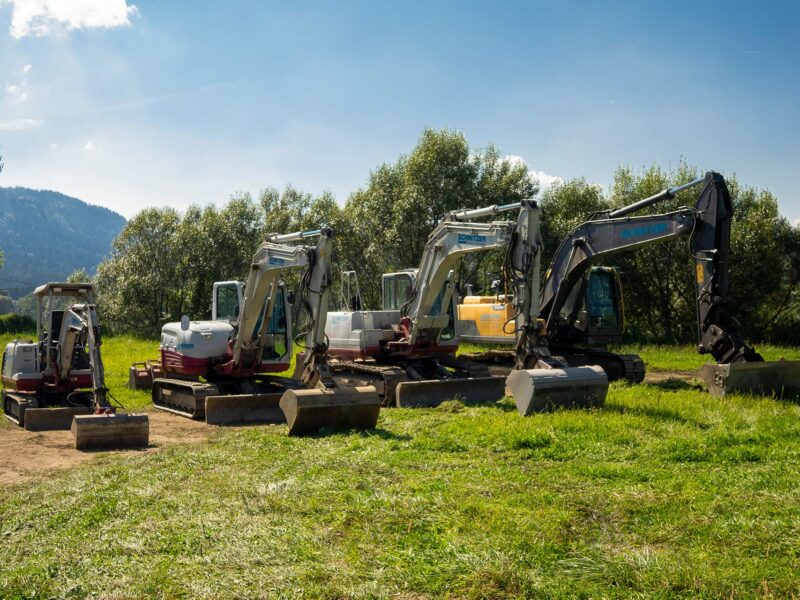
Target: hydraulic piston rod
667,194
495,209
294,237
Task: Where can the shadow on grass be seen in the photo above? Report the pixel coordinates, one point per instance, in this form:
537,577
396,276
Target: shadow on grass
654,412
674,384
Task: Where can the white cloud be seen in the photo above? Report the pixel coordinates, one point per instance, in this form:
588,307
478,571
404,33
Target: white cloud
19,124
26,69
42,17
89,145
545,180
16,92
54,146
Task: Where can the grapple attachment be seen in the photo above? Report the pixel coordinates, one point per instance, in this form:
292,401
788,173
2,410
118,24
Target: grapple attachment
242,409
417,394
114,431
537,390
775,378
307,411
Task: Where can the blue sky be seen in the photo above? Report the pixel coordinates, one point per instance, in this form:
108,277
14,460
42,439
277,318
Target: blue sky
173,103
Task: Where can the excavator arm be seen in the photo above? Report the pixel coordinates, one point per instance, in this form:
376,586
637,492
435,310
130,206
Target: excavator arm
425,313
707,226
79,326
270,260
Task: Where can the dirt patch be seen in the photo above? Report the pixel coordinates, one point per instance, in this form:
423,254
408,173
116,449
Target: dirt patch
26,455
662,376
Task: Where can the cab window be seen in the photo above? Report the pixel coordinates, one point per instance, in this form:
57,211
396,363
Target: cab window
227,303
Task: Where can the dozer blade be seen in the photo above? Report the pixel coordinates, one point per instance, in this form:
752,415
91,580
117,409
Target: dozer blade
420,394
775,378
307,411
105,432
242,409
537,390
49,419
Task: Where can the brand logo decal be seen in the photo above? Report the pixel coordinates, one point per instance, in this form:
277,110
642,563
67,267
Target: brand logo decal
471,238
641,230
274,260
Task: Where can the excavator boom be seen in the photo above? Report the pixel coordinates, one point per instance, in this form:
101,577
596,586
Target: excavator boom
738,367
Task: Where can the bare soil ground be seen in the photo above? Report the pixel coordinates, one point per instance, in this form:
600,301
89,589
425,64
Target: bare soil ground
27,455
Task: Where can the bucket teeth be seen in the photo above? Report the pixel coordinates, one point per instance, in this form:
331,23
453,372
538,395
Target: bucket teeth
537,390
430,393
308,411
779,379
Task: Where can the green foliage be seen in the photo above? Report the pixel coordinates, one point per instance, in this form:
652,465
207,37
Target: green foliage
16,323
391,218
666,492
164,264
6,304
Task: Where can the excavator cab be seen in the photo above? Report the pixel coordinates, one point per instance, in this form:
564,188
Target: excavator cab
593,311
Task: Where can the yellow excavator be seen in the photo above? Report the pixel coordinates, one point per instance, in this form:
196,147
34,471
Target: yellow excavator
58,381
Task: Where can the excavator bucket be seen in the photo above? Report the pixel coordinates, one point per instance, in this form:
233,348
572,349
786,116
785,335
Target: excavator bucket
243,409
308,411
50,419
106,432
780,378
537,390
425,394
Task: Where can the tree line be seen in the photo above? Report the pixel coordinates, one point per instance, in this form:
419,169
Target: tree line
163,264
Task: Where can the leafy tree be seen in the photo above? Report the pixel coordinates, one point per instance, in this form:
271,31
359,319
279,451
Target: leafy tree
140,286
392,217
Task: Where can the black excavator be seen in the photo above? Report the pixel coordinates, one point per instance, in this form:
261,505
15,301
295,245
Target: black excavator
553,330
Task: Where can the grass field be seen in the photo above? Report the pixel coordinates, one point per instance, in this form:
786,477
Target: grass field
665,492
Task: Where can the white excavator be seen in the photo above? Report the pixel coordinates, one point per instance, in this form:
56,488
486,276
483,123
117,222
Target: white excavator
58,381
408,349
226,370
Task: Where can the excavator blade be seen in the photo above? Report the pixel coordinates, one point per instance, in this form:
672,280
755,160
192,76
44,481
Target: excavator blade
774,378
308,411
106,432
242,409
422,394
537,390
49,419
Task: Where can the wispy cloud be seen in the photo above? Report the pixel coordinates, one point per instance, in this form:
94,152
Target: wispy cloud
19,124
16,92
89,145
43,17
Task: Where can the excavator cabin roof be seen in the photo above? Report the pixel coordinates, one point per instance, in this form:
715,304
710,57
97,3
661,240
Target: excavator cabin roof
63,289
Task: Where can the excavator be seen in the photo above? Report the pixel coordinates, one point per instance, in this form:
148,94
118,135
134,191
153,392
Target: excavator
225,370
58,382
408,349
598,301
551,328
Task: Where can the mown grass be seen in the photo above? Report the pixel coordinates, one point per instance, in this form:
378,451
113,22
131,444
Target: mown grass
664,492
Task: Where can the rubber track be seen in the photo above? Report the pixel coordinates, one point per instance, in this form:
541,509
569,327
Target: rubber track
634,367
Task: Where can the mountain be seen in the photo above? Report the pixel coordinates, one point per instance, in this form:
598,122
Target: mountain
45,236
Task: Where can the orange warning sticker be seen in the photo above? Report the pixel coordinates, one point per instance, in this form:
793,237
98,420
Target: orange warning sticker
699,269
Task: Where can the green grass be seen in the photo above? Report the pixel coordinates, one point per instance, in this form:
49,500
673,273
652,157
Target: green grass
664,492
